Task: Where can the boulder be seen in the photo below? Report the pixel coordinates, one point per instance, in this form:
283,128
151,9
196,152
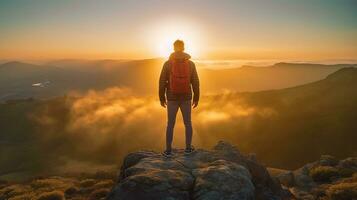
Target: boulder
220,173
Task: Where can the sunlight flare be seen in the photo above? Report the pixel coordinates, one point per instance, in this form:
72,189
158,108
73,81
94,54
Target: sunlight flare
163,35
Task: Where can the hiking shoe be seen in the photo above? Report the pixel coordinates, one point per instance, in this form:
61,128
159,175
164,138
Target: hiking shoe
168,154
189,150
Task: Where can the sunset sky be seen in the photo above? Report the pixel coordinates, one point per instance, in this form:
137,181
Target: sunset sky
212,29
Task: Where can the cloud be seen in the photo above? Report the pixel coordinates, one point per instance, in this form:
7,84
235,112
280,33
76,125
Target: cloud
103,126
212,116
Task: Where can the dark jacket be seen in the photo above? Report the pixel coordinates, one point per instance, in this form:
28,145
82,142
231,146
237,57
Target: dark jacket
165,77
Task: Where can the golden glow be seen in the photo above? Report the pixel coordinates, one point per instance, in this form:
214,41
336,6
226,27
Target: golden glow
213,116
202,41
163,35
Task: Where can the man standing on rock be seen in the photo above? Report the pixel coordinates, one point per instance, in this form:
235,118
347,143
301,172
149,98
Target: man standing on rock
178,79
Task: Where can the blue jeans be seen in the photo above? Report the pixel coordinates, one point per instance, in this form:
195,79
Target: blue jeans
172,108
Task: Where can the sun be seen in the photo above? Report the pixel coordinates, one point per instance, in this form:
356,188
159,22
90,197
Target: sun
165,45
165,35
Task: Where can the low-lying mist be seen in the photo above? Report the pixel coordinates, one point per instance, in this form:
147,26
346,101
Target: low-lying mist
103,126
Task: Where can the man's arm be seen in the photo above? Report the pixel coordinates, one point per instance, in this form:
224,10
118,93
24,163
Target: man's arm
195,85
163,83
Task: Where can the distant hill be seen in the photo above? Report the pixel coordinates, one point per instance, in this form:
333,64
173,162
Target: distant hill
141,76
277,76
305,122
16,79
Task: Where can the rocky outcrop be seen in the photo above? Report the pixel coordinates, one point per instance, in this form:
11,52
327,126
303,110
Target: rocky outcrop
220,173
327,178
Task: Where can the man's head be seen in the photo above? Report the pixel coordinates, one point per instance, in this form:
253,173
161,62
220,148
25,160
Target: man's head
179,46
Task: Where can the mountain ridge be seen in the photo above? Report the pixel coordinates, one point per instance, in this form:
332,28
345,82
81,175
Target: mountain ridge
83,75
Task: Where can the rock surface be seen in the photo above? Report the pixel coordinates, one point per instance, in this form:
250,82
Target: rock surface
325,179
221,173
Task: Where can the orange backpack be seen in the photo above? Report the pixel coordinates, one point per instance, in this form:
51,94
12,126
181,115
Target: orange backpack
180,76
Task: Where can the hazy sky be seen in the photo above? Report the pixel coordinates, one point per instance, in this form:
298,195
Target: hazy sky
220,29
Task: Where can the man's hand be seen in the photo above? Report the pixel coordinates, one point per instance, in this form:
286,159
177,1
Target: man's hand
194,104
163,103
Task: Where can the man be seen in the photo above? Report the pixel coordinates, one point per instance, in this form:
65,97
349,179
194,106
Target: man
177,81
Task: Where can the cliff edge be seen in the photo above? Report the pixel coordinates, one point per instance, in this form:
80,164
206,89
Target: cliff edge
220,173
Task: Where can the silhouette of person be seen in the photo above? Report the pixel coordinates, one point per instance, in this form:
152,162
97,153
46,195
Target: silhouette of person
178,79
